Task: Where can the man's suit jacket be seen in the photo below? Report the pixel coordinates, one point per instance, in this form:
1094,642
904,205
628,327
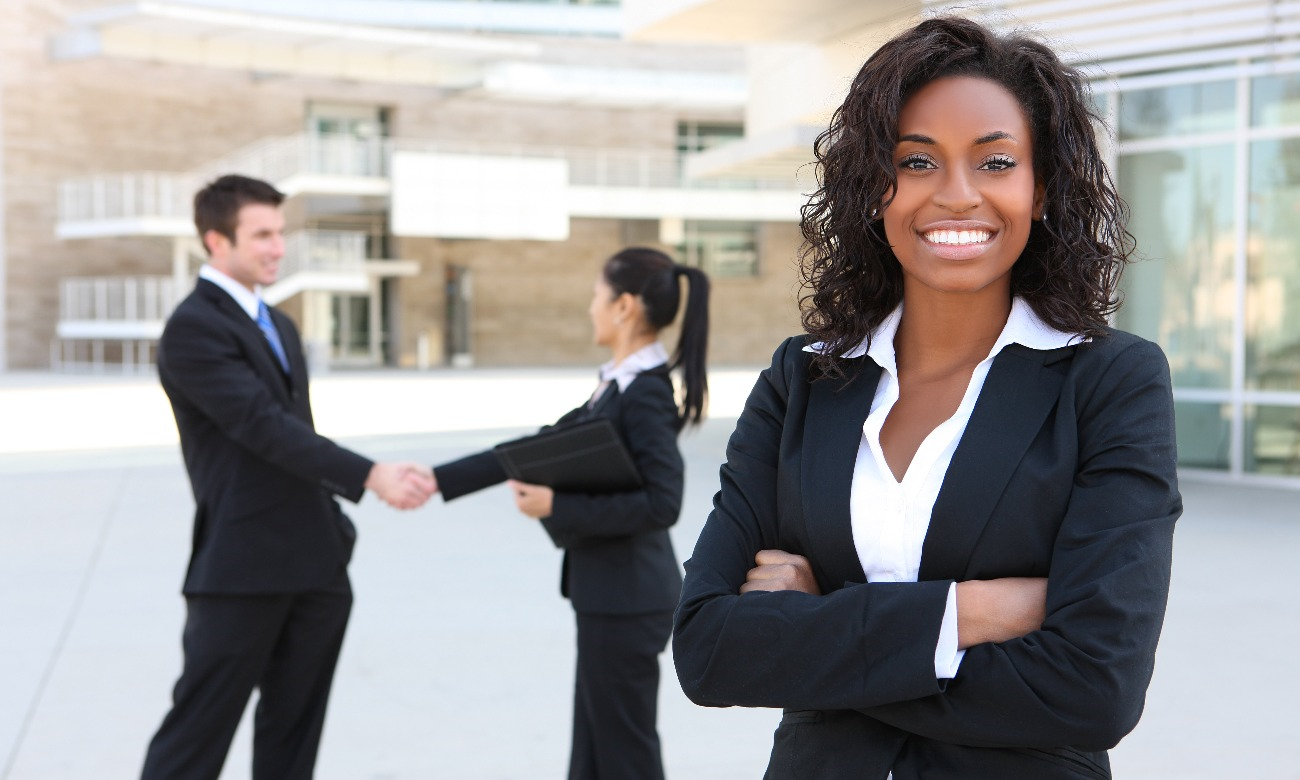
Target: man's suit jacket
1066,471
618,558
264,481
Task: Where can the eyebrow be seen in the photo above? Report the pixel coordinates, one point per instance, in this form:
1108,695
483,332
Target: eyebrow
984,139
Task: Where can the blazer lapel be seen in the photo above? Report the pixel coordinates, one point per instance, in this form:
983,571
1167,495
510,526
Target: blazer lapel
837,409
1017,396
264,360
292,349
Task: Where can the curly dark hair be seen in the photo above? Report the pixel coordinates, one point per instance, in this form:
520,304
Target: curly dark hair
1070,268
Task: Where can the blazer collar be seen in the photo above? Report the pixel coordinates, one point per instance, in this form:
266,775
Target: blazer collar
264,359
1021,389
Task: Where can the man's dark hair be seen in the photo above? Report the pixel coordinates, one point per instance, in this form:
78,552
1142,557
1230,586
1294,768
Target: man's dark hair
1069,270
216,206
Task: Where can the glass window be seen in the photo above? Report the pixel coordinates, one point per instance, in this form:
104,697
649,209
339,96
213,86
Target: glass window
1184,109
1181,293
698,136
1273,291
721,248
1275,100
1203,432
1273,439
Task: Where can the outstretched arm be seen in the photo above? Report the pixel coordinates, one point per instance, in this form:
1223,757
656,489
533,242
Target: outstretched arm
402,485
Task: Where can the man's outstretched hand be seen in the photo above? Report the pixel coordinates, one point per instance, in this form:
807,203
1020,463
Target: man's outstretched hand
402,485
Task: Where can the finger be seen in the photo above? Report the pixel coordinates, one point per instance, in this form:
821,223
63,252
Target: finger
769,571
763,557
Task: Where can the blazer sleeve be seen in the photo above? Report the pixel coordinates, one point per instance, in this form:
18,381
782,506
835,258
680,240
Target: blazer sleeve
648,417
207,367
854,647
1081,680
469,474
473,473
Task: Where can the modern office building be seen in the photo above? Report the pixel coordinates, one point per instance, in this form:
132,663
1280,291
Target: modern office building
1203,97
456,171
458,168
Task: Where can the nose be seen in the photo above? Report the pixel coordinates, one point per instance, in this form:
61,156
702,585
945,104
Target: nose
277,247
957,191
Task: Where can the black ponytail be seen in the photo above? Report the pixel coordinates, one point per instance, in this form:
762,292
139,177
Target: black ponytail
653,277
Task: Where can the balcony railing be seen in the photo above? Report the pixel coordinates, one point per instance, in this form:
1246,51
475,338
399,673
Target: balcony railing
281,160
130,299
149,194
334,251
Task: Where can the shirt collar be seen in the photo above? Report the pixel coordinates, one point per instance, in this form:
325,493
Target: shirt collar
246,298
1023,327
650,356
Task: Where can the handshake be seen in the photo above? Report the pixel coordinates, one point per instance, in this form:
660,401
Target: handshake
402,485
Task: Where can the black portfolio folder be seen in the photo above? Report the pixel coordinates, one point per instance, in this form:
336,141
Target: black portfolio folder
586,457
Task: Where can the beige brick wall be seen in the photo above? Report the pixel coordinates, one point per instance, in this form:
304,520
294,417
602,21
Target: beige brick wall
530,298
72,119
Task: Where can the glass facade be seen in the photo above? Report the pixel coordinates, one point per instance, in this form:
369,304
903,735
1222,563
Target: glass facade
1211,173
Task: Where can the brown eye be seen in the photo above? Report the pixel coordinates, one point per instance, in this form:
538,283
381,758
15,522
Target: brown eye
916,162
998,163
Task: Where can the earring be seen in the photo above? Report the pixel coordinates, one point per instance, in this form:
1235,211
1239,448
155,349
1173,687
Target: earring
873,214
1044,217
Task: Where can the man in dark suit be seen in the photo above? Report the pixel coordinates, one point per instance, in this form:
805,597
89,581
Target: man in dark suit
267,591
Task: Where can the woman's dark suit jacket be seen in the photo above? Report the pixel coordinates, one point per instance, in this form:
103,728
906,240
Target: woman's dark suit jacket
618,558
1066,471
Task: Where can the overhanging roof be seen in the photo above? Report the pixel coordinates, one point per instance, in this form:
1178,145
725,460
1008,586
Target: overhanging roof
780,154
177,32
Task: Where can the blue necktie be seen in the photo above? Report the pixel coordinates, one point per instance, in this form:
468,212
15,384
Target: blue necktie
272,335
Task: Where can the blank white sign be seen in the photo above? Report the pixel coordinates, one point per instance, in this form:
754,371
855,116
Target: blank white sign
478,196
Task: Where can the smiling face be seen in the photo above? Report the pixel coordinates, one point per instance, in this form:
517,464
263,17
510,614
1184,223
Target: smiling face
966,194
254,256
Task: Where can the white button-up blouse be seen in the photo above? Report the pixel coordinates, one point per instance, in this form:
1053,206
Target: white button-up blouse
890,517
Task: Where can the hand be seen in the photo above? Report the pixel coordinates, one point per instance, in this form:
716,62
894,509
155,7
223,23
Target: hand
780,570
999,610
536,501
402,485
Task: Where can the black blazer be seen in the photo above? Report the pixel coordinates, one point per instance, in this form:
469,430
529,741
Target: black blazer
618,558
264,481
1066,471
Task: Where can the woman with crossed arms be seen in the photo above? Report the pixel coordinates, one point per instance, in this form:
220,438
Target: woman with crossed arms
942,540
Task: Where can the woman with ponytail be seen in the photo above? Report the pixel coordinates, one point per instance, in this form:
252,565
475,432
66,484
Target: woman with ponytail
620,571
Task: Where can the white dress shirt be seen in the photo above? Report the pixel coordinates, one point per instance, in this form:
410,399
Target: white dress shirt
650,356
246,298
890,517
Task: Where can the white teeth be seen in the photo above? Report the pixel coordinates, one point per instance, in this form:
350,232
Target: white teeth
958,237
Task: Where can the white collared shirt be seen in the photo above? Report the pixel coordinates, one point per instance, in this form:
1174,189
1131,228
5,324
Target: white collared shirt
650,356
246,298
890,518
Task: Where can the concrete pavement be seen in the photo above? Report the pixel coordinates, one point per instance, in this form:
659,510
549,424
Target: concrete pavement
458,662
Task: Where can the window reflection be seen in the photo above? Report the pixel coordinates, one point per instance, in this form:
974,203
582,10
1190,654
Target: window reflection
1273,292
1185,109
1273,439
1181,293
1203,432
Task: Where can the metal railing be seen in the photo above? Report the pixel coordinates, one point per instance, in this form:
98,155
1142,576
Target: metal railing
606,167
281,158
323,250
117,299
127,196
155,194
